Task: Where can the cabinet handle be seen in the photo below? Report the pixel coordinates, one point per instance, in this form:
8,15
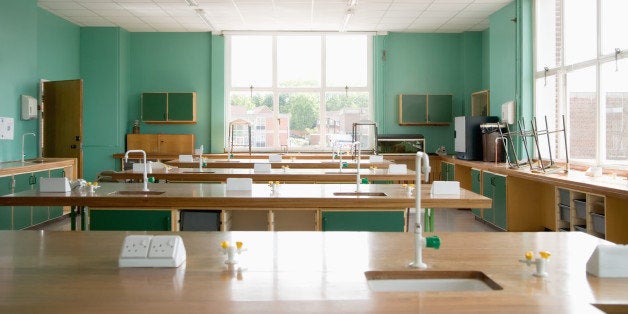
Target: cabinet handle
32,180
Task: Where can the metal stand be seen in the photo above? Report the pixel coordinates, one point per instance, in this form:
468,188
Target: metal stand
233,125
356,136
536,135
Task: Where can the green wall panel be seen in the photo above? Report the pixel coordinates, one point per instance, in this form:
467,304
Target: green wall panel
363,221
409,63
57,47
172,62
502,57
18,69
131,220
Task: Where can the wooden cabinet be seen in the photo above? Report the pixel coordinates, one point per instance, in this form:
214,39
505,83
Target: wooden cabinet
24,178
580,211
131,220
167,107
494,187
363,220
163,144
425,109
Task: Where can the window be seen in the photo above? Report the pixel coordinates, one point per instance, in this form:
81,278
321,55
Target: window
300,91
581,75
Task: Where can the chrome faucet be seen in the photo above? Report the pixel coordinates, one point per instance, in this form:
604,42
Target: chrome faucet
422,165
145,174
23,136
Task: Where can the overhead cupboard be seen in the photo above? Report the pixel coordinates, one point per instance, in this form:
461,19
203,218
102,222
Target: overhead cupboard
169,107
425,109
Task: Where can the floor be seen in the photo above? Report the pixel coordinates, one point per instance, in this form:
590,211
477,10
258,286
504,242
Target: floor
445,220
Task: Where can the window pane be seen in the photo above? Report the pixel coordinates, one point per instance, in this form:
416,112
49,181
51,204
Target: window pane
614,25
546,108
580,30
299,114
614,92
346,61
341,111
582,114
546,35
251,61
299,61
256,110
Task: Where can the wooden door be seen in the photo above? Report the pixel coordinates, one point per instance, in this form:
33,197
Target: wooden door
62,114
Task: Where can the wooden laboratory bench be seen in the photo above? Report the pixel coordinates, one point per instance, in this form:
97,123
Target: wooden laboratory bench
532,199
287,175
288,272
206,196
39,164
292,163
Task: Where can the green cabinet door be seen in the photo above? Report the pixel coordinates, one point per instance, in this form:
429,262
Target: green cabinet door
180,107
22,214
447,171
494,187
439,108
499,200
56,211
476,187
40,213
363,221
6,212
154,106
130,220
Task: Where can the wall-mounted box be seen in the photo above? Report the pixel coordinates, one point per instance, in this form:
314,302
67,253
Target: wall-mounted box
29,107
425,109
167,107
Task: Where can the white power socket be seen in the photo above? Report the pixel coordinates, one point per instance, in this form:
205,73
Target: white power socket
152,251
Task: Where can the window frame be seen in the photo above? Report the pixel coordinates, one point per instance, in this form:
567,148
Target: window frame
560,72
276,90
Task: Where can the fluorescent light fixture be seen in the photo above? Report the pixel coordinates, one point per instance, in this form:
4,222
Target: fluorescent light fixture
201,13
346,21
192,3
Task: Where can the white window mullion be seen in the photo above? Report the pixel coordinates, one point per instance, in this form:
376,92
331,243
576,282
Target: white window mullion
276,126
323,100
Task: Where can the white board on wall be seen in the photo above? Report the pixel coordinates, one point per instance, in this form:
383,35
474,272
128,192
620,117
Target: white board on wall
6,128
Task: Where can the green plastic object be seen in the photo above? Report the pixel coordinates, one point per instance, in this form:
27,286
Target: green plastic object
433,242
365,180
151,179
345,164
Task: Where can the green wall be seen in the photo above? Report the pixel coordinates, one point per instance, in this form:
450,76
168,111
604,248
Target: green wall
410,63
34,45
173,62
502,57
18,71
102,58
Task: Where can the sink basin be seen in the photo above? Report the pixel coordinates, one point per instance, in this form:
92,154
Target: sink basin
430,280
197,171
137,192
360,194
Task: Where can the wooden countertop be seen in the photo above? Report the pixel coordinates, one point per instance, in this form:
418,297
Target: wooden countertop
288,272
286,175
207,195
33,165
292,163
574,179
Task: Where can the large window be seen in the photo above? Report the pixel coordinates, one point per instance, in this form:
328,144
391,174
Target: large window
300,92
582,78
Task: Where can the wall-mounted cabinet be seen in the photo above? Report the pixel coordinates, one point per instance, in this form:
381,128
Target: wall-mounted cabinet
167,107
425,109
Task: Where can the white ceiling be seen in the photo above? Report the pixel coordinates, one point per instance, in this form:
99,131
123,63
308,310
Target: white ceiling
441,16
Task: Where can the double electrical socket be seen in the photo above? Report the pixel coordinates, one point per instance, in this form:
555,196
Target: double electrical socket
152,251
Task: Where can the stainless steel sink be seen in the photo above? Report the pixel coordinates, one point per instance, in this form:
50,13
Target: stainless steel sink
137,192
430,280
360,194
